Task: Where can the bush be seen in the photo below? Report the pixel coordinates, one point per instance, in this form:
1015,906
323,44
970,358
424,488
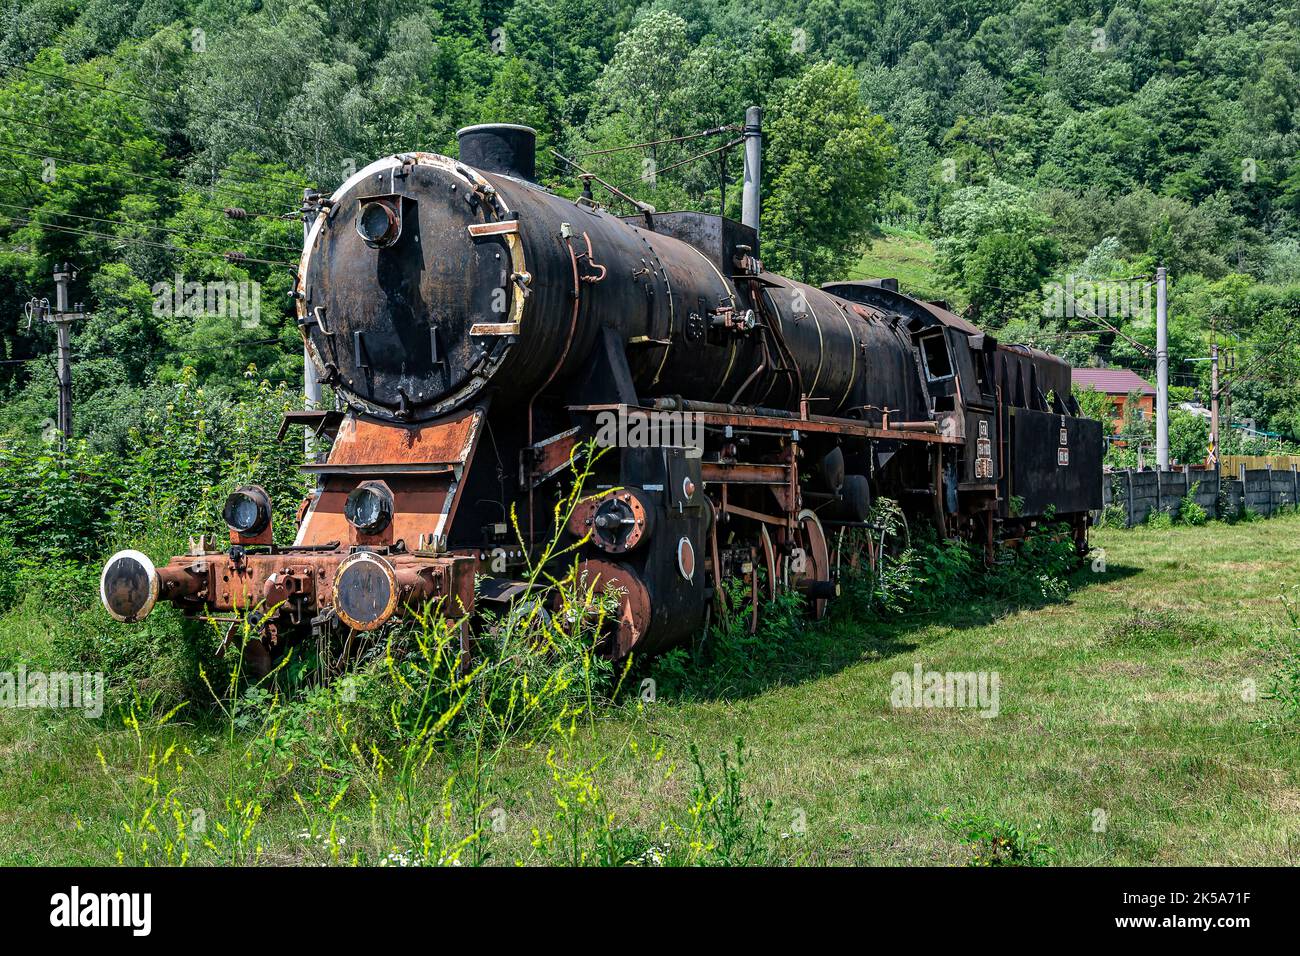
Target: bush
1190,511
1160,520
58,504
994,842
1113,516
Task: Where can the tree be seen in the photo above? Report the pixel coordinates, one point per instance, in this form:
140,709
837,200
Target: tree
639,81
995,247
826,165
1189,437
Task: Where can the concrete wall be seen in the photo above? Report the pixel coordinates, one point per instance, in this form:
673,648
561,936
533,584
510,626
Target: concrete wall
1136,494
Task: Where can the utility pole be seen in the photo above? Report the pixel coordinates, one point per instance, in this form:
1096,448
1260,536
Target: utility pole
1162,372
310,383
1212,457
61,317
750,204
1212,460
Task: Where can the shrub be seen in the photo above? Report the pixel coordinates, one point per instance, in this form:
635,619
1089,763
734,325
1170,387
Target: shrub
994,842
1190,511
1113,516
1160,520
58,504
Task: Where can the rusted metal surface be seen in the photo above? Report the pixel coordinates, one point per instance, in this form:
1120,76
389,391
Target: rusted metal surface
362,442
551,456
743,473
301,583
617,521
632,621
820,424
422,466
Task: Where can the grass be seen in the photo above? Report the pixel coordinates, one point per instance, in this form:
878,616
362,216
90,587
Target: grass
908,257
1123,736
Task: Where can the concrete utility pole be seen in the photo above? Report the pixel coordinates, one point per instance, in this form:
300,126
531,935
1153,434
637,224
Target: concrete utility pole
61,317
1162,372
750,206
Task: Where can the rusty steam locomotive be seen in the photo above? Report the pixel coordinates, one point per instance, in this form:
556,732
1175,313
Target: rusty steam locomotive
479,327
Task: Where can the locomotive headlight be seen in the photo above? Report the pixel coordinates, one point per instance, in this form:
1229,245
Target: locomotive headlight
378,222
369,507
247,510
365,591
129,586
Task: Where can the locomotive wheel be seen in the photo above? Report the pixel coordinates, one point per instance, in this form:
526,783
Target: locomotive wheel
814,563
258,661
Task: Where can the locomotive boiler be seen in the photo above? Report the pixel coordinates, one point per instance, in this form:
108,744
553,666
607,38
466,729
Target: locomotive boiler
478,329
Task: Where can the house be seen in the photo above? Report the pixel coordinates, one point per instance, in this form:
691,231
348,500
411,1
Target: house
1118,384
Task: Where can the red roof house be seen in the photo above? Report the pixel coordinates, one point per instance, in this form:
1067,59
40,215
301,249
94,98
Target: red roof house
1118,383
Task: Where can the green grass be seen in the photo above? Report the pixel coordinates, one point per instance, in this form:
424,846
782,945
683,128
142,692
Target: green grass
908,257
1125,699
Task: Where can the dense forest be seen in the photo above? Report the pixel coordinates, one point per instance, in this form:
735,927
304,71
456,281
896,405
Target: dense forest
1038,145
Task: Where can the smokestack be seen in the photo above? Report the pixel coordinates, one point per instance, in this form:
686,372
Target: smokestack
500,148
750,201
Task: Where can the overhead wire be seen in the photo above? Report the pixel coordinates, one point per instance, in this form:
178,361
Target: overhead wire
170,181
166,103
728,128
232,256
64,131
131,222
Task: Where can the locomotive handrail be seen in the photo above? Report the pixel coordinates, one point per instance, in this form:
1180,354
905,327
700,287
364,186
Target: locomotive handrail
814,423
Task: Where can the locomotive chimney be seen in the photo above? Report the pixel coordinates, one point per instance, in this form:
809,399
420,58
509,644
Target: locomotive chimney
500,148
749,208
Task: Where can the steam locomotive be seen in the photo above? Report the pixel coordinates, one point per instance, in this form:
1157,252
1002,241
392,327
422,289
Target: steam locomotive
480,329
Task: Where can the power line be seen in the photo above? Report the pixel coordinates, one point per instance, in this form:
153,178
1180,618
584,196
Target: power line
131,222
691,159
233,257
145,176
157,101
728,128
78,134
169,347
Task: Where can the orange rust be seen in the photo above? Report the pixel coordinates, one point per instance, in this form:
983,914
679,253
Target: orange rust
418,507
633,597
449,442
743,473
217,583
424,504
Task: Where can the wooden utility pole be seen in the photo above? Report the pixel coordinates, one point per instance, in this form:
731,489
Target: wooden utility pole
61,317
1213,459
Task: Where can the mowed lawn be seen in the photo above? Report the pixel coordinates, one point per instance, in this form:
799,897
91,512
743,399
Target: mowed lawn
1126,733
